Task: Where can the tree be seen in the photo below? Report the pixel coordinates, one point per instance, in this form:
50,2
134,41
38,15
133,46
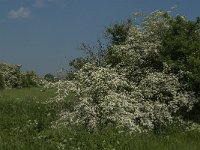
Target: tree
138,91
181,49
117,33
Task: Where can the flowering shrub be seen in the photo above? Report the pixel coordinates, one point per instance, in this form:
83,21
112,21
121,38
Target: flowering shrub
139,54
12,77
106,97
139,92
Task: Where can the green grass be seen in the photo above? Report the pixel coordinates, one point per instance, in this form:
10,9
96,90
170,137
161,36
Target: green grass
19,108
25,125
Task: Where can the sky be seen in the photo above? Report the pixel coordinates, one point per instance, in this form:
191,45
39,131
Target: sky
44,35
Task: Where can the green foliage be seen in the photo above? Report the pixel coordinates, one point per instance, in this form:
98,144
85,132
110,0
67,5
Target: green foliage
29,79
117,33
2,84
181,49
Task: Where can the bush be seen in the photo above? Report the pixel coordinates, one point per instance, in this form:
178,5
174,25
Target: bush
29,79
139,92
2,84
12,77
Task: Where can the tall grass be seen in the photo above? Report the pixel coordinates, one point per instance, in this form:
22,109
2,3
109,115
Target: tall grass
25,123
22,116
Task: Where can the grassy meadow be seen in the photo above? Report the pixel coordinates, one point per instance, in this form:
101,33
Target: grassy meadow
25,124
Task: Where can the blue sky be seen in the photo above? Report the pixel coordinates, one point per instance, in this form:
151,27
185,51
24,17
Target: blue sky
43,35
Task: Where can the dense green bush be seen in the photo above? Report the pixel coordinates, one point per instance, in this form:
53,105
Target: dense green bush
181,49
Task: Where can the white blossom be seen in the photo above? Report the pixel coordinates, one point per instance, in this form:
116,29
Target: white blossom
134,93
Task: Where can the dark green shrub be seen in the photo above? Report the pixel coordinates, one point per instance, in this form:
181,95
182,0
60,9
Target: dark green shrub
2,84
29,79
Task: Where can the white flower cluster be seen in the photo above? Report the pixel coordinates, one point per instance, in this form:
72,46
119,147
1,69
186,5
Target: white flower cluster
10,74
140,52
133,94
106,97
